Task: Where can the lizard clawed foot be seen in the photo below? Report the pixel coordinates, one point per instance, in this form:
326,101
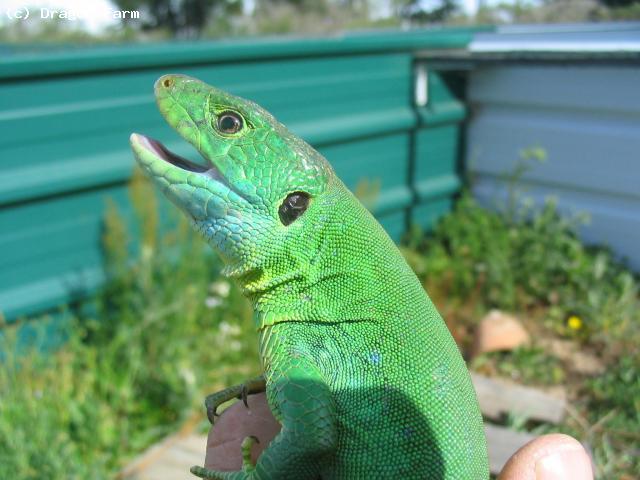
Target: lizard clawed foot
213,401
242,391
217,475
203,472
247,465
247,443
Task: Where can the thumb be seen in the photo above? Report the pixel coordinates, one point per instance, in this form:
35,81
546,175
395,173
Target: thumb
550,457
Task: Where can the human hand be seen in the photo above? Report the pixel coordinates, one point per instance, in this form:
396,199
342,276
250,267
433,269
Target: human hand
236,423
549,457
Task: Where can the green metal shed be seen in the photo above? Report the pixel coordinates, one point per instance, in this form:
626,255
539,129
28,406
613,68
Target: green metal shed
65,119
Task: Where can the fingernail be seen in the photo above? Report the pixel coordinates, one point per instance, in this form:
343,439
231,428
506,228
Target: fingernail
570,464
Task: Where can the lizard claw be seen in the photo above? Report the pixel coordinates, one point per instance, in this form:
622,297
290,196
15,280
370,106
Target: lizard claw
243,395
212,413
241,391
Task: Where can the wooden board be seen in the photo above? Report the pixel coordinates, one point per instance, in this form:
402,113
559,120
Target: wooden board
498,398
503,443
169,459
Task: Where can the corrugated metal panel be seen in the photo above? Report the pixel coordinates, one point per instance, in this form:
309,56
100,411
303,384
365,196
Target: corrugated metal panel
569,39
65,119
587,118
437,144
110,58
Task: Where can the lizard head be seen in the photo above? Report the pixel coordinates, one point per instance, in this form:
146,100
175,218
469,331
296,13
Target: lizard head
259,181
297,241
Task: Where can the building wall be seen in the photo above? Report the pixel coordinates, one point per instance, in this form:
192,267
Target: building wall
65,119
586,117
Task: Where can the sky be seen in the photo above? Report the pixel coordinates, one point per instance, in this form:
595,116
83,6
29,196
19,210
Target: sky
96,14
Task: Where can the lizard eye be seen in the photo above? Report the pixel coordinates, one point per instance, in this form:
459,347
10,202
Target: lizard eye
229,123
293,206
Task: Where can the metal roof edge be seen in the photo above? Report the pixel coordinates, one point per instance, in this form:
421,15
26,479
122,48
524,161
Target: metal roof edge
614,38
544,28
137,56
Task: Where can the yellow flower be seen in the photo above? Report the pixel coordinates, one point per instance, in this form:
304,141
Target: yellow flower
574,322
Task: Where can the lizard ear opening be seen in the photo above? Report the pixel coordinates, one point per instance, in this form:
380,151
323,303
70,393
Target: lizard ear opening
293,206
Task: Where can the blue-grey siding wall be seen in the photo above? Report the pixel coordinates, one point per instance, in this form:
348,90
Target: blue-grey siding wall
586,118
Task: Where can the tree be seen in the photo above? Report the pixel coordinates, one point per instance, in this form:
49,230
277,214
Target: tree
305,6
183,18
421,11
619,3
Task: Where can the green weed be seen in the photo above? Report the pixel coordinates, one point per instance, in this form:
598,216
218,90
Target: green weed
529,261
164,331
528,365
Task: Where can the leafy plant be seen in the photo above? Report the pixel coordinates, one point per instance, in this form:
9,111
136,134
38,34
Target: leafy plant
529,365
164,331
519,257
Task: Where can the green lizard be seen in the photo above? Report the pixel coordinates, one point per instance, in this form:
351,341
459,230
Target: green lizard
359,368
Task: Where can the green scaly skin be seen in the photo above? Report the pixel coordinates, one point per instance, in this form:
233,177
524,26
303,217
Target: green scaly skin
359,368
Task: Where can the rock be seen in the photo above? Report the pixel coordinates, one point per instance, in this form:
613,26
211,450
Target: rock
499,331
568,351
586,364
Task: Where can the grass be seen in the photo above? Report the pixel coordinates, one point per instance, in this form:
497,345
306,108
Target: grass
166,330
528,365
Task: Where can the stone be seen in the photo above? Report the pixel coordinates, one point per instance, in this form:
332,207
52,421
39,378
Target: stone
499,331
579,361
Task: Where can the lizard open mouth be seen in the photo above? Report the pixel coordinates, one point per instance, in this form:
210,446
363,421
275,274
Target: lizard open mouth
154,156
163,153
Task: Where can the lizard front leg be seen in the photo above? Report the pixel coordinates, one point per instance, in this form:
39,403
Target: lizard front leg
302,402
213,401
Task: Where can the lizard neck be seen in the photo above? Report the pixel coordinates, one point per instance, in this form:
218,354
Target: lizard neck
343,268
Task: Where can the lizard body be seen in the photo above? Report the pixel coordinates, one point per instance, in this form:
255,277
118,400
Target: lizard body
359,368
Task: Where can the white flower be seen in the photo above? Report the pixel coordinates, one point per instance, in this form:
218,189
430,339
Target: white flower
220,288
212,302
229,329
188,376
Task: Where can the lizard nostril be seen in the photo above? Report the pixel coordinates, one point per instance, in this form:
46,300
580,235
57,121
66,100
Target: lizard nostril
167,82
